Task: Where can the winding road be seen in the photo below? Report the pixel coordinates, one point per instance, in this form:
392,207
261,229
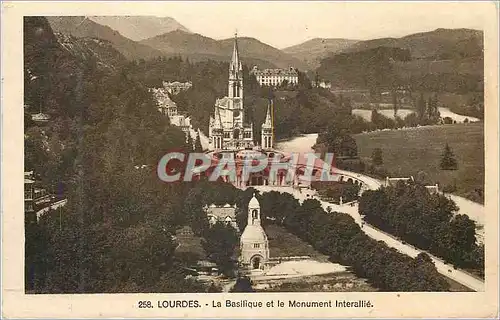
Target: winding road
474,210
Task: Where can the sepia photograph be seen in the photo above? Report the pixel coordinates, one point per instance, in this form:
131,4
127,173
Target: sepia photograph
263,148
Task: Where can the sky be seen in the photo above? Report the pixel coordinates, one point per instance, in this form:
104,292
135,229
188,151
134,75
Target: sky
282,23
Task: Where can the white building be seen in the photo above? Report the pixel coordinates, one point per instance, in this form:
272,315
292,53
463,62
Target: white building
225,214
275,77
254,246
175,87
168,108
391,182
322,84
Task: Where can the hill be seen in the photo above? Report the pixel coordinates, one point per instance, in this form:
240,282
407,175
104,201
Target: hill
312,51
181,42
139,27
197,47
82,27
443,60
251,47
439,44
418,153
102,124
372,68
92,49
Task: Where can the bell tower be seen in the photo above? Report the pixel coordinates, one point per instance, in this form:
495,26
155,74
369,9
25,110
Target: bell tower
217,131
254,245
235,86
266,135
235,89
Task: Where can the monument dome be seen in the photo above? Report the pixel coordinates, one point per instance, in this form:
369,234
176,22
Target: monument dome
254,245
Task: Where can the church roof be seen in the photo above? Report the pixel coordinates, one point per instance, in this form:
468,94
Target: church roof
267,123
235,60
253,233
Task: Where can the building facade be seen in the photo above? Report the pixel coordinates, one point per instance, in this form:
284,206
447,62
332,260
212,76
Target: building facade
254,245
175,87
225,214
275,77
227,128
168,108
29,192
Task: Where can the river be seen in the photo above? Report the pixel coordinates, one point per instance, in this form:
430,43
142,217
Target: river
445,112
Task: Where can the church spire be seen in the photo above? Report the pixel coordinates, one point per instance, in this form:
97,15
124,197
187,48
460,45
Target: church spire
266,133
217,122
267,123
235,60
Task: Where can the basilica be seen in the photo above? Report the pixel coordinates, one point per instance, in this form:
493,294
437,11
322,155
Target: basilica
228,129
230,136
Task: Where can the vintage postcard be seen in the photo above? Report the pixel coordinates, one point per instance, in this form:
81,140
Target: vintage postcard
249,159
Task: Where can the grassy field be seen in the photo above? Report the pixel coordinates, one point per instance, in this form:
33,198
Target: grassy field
418,153
284,244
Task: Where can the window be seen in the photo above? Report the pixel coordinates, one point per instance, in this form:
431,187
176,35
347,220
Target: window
256,245
255,214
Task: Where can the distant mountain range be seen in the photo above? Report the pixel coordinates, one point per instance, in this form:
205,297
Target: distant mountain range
174,43
439,44
434,56
194,45
441,60
83,27
138,28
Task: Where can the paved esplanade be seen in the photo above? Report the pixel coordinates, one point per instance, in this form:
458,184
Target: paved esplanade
303,144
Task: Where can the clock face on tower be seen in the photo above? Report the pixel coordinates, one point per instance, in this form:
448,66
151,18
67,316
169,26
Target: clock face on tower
236,114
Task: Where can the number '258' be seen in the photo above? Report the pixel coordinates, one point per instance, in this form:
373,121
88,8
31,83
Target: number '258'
145,304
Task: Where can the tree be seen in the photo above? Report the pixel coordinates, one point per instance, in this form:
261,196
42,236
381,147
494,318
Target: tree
424,257
348,147
220,244
432,109
377,157
421,108
190,143
395,102
411,120
448,161
243,284
213,288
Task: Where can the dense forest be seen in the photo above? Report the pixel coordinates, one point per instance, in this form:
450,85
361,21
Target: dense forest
103,123
428,221
296,108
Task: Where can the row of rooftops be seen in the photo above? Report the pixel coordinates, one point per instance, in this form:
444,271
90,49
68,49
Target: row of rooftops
275,72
